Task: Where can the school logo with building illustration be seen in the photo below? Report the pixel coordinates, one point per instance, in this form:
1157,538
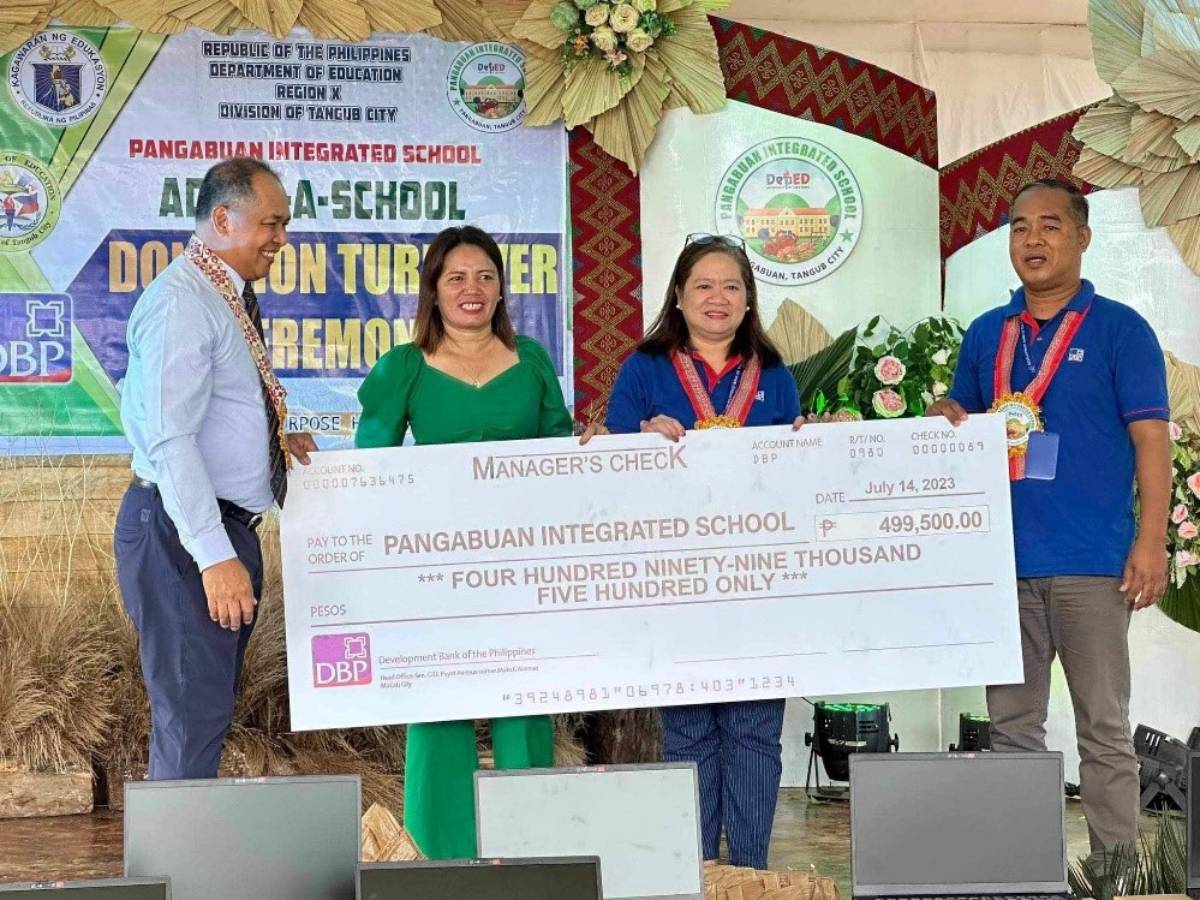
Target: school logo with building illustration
58,77
30,201
486,87
797,205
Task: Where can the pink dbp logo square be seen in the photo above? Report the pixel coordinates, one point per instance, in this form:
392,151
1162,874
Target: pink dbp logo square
341,660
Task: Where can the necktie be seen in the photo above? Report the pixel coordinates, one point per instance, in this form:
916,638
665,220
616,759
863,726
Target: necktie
275,449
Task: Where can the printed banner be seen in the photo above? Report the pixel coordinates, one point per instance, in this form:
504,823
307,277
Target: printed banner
587,578
106,133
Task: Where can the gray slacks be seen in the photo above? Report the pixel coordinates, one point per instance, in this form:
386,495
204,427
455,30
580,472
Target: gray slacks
1084,620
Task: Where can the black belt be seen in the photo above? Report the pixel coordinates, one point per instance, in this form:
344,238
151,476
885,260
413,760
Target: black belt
228,510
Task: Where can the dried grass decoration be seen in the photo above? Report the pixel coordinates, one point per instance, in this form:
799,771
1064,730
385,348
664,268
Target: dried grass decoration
1148,133
22,19
615,67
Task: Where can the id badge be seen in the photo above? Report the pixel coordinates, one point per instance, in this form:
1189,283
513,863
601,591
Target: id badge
1041,456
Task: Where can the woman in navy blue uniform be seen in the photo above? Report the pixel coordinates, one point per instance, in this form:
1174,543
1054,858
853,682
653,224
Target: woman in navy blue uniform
706,362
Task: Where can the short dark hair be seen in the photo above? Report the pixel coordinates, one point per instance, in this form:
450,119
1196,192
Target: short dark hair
1077,204
428,329
228,183
669,332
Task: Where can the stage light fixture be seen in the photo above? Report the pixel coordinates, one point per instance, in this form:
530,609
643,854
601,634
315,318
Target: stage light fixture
974,733
840,729
1162,768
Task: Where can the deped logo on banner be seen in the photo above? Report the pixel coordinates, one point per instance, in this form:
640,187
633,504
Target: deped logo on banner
487,87
58,77
341,660
30,202
35,338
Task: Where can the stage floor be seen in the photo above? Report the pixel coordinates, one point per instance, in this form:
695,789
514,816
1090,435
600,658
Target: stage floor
806,834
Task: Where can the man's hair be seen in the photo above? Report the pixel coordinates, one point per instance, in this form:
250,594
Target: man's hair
1077,205
228,183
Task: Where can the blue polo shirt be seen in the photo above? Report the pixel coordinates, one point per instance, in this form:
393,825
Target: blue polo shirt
647,386
1081,522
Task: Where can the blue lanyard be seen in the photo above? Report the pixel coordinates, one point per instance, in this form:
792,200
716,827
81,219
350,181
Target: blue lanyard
737,376
1025,350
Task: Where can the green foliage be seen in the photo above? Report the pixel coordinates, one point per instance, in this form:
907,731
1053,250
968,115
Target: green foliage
1156,865
917,367
1182,600
817,376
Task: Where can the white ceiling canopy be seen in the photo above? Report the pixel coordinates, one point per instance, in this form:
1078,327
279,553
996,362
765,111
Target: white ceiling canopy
997,66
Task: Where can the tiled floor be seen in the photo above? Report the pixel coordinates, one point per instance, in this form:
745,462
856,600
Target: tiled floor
806,834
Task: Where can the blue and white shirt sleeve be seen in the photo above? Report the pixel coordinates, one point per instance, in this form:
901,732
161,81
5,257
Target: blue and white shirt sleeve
966,388
175,338
629,403
1140,374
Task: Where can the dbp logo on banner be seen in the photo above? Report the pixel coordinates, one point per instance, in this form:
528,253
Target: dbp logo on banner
796,204
35,338
58,77
341,660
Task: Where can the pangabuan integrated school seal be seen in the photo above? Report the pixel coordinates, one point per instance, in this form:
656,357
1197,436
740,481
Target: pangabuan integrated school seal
798,206
487,87
30,201
58,77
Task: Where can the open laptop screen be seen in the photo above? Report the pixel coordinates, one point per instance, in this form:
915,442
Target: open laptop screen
642,821
108,889
957,823
260,838
566,878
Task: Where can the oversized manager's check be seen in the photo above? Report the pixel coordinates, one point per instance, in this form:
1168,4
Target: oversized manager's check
475,580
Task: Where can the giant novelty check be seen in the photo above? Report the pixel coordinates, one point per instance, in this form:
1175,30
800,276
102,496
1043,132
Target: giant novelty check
476,580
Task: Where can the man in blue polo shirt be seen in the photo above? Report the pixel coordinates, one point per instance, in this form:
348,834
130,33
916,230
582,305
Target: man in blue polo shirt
1082,384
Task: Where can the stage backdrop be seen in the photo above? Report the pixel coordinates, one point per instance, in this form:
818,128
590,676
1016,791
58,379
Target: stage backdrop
105,133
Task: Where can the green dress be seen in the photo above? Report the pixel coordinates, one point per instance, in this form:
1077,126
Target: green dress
525,401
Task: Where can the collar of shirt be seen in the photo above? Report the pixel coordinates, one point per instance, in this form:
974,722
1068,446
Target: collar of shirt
711,376
1080,302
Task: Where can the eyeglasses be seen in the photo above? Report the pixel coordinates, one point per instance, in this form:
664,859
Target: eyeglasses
725,240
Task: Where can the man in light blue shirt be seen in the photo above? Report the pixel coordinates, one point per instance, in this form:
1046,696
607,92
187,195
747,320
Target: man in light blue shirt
202,410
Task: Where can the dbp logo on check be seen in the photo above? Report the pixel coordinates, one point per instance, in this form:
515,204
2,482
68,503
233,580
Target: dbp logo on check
35,338
341,660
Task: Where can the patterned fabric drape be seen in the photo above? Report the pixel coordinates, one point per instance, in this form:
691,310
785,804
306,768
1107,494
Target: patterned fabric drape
977,190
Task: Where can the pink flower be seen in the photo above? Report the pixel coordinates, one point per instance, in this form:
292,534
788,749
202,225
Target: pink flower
1179,514
889,370
1175,431
887,403
1188,530
1185,558
1193,482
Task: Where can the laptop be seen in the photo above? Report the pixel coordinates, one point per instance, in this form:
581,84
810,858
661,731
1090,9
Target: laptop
1193,821
557,878
104,889
957,825
246,838
643,822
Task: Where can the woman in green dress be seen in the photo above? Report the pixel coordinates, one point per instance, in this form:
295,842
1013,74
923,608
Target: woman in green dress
467,376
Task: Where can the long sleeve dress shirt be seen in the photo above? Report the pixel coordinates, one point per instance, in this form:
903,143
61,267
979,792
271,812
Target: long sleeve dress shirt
192,407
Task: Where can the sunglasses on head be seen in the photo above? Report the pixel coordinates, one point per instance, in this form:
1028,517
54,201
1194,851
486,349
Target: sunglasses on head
725,240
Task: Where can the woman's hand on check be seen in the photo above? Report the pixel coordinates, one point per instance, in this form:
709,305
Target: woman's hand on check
668,427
